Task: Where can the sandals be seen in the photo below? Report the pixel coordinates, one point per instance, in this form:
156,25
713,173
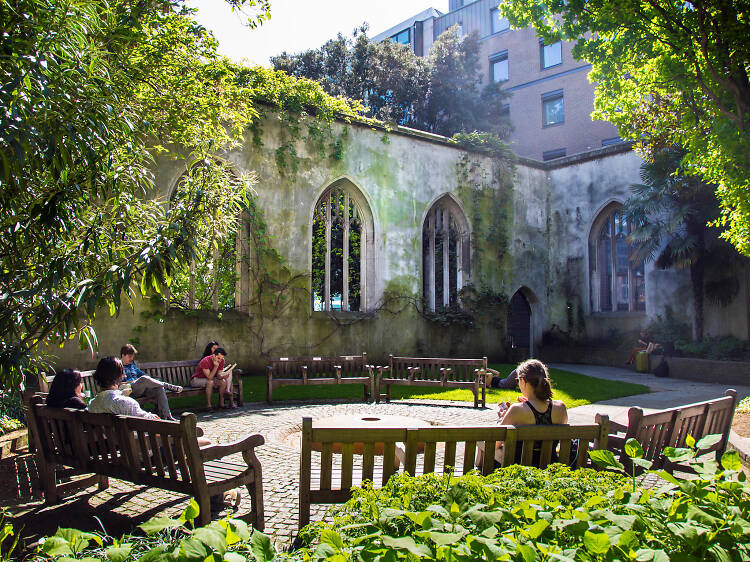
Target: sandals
233,498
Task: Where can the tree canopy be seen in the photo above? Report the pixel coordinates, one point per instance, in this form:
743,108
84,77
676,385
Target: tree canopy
667,73
670,213
92,94
441,93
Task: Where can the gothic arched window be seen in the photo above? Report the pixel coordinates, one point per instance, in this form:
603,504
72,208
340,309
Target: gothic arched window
618,284
445,254
341,236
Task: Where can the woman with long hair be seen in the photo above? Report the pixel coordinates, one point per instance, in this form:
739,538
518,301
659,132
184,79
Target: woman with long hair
65,391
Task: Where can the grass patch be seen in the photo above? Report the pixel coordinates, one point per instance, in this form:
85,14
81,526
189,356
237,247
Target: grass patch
572,388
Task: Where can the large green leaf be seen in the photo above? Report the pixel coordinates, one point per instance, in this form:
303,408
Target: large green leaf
596,542
261,547
730,460
605,459
158,524
212,538
633,449
408,544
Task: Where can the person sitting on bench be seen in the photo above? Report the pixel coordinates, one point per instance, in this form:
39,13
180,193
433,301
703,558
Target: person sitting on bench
643,345
143,385
65,391
210,374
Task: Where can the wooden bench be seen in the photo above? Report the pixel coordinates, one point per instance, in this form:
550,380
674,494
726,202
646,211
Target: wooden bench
441,372
445,449
343,369
670,428
162,454
172,372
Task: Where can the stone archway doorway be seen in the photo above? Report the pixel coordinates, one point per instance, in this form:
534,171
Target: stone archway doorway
519,323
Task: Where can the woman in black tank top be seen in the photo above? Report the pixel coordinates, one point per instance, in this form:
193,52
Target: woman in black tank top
536,406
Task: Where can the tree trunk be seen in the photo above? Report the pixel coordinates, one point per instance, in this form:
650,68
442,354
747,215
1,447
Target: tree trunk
697,269
696,278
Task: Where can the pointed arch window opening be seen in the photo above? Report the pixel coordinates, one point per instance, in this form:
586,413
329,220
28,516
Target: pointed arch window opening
339,243
212,279
618,282
444,245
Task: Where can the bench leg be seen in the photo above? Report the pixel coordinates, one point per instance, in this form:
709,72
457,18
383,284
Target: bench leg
269,390
239,393
204,503
47,479
255,489
103,483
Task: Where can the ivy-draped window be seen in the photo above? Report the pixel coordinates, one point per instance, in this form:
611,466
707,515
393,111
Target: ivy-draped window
210,280
339,251
445,254
618,284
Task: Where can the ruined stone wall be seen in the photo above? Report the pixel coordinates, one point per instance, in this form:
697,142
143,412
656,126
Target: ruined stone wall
531,235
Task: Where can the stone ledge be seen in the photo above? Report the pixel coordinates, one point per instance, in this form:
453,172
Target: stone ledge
726,373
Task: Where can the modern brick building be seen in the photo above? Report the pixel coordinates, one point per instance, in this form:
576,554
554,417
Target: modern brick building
552,99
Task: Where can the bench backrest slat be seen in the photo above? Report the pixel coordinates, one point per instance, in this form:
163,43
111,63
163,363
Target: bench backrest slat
434,368
671,427
143,451
419,452
317,366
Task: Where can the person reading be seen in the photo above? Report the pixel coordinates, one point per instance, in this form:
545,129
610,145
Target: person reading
143,385
211,374
535,406
643,344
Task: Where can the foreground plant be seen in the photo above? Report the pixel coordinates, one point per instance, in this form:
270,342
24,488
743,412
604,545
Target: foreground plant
166,539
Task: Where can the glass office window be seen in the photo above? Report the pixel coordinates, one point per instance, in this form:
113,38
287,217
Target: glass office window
551,54
499,23
402,37
553,108
499,67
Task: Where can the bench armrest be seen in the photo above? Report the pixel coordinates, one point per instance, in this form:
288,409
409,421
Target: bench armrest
617,427
213,452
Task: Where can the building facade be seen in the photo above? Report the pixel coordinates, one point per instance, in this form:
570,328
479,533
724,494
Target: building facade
447,253
551,98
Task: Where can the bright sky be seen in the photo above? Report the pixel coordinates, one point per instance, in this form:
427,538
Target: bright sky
297,25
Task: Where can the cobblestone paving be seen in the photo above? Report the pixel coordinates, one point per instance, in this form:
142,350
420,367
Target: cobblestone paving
124,505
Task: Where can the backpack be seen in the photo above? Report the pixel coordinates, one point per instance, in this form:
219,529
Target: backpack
662,369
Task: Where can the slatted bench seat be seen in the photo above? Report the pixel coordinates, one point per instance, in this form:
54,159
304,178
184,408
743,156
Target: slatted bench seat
162,454
172,372
670,428
342,369
434,449
434,371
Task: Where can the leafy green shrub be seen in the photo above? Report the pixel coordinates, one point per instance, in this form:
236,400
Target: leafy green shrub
668,329
703,517
727,347
166,539
11,411
505,487
744,406
9,424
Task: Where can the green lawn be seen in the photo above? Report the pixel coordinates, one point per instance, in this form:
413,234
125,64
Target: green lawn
571,388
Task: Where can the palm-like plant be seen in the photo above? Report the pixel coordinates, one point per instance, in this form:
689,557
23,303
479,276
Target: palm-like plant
671,213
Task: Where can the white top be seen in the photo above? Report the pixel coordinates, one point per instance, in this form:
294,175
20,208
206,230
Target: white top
113,402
